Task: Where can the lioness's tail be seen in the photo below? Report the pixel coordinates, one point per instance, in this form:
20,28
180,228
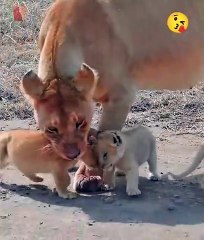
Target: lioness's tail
4,140
197,160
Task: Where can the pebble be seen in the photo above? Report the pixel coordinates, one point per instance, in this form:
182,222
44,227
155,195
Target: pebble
109,199
171,207
3,192
91,223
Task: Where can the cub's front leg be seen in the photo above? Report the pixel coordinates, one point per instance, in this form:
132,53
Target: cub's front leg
109,179
62,181
132,178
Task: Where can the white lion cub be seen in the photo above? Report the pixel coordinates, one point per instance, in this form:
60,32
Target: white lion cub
127,150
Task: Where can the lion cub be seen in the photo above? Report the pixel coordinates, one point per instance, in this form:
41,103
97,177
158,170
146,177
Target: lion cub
127,150
31,153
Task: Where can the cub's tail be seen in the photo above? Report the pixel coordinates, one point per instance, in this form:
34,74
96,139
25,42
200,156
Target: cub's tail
4,140
197,160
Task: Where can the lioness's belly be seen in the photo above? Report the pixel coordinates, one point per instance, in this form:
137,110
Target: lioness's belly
157,57
169,72
134,37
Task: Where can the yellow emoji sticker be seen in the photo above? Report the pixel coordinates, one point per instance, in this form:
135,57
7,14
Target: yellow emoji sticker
177,22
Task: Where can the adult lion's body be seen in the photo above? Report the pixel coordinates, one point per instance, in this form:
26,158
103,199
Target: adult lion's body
128,43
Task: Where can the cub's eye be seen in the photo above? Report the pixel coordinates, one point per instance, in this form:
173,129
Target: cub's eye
52,130
105,156
81,124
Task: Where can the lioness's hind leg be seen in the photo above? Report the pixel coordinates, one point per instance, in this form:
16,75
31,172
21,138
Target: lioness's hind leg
152,161
33,177
62,181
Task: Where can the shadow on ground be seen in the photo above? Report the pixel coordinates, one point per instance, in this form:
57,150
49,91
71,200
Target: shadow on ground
164,202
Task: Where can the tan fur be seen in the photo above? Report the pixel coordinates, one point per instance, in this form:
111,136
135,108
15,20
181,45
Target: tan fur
137,146
130,46
64,107
32,153
196,161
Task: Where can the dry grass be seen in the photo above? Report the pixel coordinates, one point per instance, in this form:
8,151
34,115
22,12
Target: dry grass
175,111
19,53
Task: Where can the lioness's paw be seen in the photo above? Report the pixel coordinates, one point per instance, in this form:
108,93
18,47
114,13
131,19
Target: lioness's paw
133,192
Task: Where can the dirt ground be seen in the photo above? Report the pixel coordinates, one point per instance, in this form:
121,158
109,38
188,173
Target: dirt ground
166,209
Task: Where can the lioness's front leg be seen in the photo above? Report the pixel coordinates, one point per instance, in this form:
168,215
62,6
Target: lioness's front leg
62,181
116,110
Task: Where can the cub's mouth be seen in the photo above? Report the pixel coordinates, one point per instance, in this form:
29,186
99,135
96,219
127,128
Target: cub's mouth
72,152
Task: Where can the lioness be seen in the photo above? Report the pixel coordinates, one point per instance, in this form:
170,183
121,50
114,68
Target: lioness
128,43
31,152
127,150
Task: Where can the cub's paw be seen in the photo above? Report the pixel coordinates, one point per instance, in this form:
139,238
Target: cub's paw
67,194
109,188
34,177
154,178
133,192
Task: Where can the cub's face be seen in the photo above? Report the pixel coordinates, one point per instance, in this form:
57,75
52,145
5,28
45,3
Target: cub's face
109,148
63,110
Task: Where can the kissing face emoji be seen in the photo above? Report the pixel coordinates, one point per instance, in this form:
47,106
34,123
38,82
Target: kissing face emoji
177,22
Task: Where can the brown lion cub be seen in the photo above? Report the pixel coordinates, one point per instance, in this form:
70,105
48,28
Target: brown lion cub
127,150
31,152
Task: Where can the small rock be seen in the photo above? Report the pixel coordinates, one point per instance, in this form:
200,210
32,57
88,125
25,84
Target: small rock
176,196
171,207
41,223
109,199
3,217
3,192
162,139
90,223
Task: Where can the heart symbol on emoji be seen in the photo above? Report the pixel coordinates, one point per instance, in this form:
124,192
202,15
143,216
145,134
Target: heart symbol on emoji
182,29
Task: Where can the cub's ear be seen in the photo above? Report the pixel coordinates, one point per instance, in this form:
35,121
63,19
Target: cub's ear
85,80
32,85
92,140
